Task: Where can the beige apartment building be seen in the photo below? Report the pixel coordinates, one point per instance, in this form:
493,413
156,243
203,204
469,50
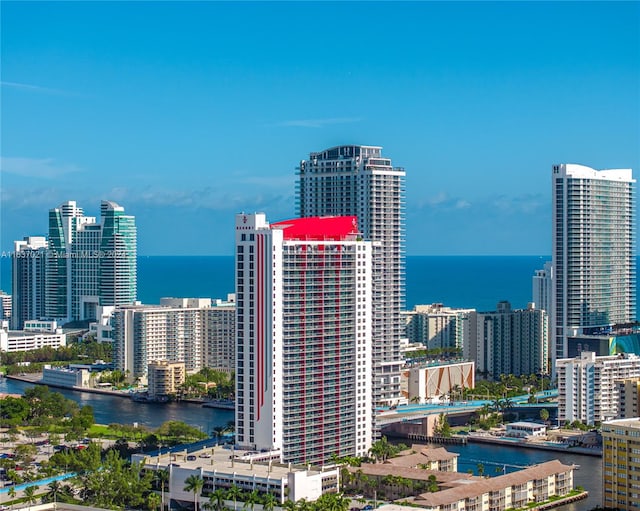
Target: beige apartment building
621,464
165,378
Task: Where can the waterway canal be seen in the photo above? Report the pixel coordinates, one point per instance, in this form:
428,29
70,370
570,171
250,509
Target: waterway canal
494,458
109,409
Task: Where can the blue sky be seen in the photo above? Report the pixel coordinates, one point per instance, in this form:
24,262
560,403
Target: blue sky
187,113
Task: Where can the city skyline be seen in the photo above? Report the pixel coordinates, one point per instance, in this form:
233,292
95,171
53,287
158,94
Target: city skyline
189,113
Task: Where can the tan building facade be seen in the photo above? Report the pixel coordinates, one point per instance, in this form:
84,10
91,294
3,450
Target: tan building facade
621,464
165,378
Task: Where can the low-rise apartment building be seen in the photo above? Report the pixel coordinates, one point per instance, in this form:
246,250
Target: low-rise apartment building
35,335
224,467
165,378
587,388
464,492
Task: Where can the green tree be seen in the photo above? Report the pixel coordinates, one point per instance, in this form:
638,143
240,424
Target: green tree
53,495
251,500
480,467
433,484
194,484
30,494
162,479
381,450
218,431
13,411
233,494
216,500
153,501
442,428
269,501
544,415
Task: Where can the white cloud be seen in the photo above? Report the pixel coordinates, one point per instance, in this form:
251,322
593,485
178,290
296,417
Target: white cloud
35,88
318,123
46,168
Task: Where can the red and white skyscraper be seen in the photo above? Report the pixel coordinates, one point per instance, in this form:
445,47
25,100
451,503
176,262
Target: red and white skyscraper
304,330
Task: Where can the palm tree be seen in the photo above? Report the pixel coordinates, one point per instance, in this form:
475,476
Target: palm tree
216,500
381,449
55,488
153,501
544,415
269,501
252,499
233,493
162,477
218,431
12,493
194,483
30,494
290,505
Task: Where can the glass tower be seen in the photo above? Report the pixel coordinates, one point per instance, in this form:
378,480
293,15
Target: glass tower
594,281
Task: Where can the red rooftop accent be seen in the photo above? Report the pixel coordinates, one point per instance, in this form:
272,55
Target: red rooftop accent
319,228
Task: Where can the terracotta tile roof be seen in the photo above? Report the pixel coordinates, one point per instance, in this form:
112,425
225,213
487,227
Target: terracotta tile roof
476,488
417,474
419,454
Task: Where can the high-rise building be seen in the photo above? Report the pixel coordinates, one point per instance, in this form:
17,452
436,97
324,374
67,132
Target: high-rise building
594,282
5,306
220,336
89,264
63,224
621,464
542,288
303,374
118,256
359,181
436,326
587,385
508,341
28,280
177,330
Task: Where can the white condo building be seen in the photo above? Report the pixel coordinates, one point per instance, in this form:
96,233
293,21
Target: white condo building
437,326
178,330
542,288
359,181
5,306
588,388
303,376
594,282
28,280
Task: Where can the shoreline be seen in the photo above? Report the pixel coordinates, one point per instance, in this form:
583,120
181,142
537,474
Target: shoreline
36,379
534,445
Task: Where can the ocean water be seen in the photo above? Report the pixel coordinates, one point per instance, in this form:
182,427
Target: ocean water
478,282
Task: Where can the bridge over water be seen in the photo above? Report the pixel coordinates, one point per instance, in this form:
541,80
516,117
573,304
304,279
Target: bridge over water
414,412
